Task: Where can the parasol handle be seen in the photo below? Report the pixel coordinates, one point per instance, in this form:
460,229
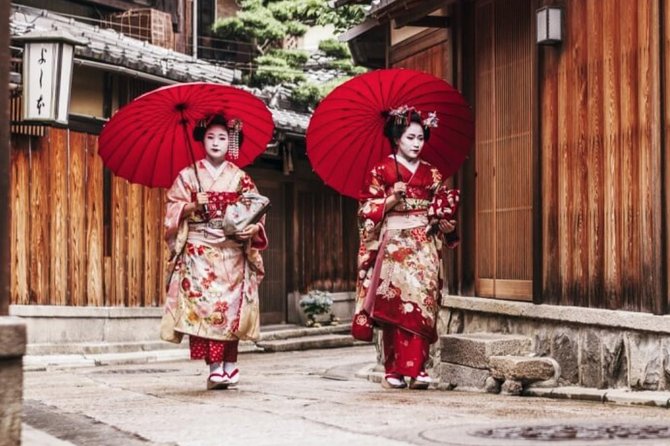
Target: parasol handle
190,151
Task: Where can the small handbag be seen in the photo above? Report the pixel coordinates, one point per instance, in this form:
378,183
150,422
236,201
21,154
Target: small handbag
249,209
361,326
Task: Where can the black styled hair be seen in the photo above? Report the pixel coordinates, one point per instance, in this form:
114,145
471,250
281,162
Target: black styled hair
395,126
201,129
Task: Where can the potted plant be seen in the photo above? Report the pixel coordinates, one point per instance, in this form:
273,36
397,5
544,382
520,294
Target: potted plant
316,305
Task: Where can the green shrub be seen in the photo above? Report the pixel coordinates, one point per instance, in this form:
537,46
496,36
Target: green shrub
334,48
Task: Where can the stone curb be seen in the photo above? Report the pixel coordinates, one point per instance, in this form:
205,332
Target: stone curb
31,436
614,396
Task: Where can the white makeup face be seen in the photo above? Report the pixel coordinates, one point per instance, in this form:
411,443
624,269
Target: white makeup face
216,143
411,142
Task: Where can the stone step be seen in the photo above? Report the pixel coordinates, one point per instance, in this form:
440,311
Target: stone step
475,349
93,348
461,377
277,332
307,343
524,368
67,361
268,333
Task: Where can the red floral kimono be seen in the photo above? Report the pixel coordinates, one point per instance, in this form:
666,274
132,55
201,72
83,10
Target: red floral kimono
399,261
214,288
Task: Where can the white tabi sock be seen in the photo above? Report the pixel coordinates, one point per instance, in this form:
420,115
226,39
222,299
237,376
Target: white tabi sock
216,367
228,367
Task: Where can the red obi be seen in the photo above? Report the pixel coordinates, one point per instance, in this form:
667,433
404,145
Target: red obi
218,201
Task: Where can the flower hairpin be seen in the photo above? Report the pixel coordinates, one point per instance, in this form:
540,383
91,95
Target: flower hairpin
431,121
403,113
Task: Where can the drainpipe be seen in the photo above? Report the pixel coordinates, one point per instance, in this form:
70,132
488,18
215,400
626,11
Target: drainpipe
195,29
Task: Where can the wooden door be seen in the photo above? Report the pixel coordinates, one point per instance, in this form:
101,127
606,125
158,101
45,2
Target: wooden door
272,292
504,146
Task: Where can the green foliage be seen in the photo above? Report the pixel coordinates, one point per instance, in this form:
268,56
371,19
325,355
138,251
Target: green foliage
347,66
296,29
249,26
309,94
266,23
342,18
273,70
335,48
305,11
294,58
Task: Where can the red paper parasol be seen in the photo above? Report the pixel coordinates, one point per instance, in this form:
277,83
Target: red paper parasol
345,136
150,140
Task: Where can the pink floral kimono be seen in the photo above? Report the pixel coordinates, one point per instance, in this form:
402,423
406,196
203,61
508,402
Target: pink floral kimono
399,261
213,291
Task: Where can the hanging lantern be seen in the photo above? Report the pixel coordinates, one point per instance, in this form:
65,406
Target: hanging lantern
47,75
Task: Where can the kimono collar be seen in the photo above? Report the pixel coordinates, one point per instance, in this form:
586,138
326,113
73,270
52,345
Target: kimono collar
406,165
214,172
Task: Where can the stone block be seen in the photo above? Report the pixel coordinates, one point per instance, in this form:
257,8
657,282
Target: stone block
492,385
12,337
511,387
645,364
625,396
615,362
474,349
461,376
564,349
590,359
11,395
522,368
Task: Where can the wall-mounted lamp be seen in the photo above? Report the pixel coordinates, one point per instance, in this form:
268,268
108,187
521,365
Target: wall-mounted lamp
47,75
549,25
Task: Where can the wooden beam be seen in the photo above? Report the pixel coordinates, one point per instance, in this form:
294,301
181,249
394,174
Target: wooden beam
115,4
429,21
414,13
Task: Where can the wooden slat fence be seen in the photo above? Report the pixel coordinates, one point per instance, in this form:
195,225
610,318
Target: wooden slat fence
58,249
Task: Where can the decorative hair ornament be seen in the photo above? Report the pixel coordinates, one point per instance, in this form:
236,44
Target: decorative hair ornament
402,116
431,121
234,129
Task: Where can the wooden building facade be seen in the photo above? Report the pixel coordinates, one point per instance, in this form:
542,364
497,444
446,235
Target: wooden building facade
564,195
82,237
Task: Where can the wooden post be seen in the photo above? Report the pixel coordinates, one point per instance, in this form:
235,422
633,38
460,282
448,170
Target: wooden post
4,159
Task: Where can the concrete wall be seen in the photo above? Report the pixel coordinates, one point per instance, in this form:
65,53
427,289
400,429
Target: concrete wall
51,324
595,348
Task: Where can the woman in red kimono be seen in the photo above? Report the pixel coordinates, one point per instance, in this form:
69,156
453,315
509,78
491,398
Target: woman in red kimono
405,215
213,291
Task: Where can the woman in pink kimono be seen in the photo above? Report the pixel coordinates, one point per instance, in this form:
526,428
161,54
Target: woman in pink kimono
213,291
405,215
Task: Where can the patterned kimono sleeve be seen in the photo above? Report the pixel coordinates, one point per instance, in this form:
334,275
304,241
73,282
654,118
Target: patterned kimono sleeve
178,196
371,213
260,240
444,206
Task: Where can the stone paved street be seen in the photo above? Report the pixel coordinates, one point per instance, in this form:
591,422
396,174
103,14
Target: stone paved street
292,398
